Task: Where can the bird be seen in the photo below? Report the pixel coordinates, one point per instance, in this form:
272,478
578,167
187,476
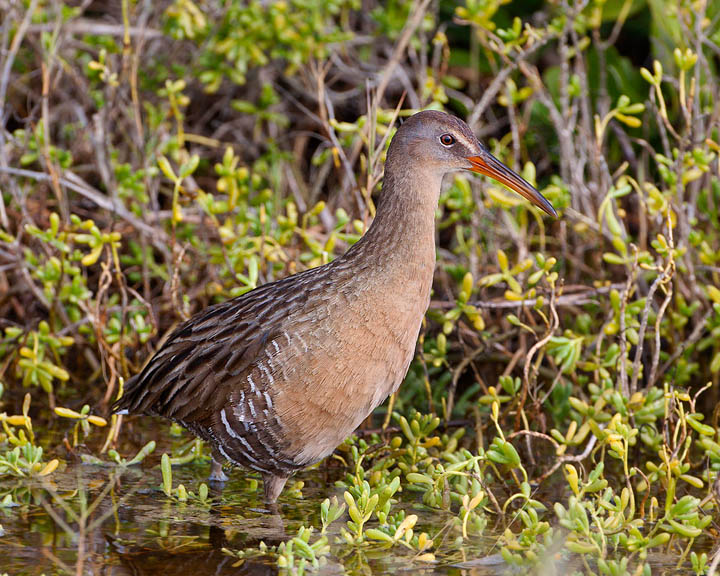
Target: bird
275,379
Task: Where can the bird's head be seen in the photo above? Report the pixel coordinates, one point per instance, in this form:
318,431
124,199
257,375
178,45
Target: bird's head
445,143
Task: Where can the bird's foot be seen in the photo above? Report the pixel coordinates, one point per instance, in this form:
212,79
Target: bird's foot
216,472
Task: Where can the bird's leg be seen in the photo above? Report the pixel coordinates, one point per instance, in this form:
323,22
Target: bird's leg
216,470
273,485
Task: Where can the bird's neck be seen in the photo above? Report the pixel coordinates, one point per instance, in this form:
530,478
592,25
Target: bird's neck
403,232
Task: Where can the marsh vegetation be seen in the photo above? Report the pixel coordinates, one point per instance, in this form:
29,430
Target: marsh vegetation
561,413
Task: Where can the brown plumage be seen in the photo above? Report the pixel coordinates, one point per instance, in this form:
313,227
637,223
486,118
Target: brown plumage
275,379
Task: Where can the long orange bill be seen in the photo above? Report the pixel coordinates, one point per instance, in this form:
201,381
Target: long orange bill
490,166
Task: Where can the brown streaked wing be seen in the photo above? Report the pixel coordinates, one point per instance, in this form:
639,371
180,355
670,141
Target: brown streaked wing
207,358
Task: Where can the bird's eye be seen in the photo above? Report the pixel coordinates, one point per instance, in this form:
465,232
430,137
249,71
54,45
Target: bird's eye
447,139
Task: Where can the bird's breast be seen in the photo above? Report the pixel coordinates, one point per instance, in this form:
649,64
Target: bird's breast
336,364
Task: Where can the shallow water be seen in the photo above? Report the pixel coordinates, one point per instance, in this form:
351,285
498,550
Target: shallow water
134,528
131,527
